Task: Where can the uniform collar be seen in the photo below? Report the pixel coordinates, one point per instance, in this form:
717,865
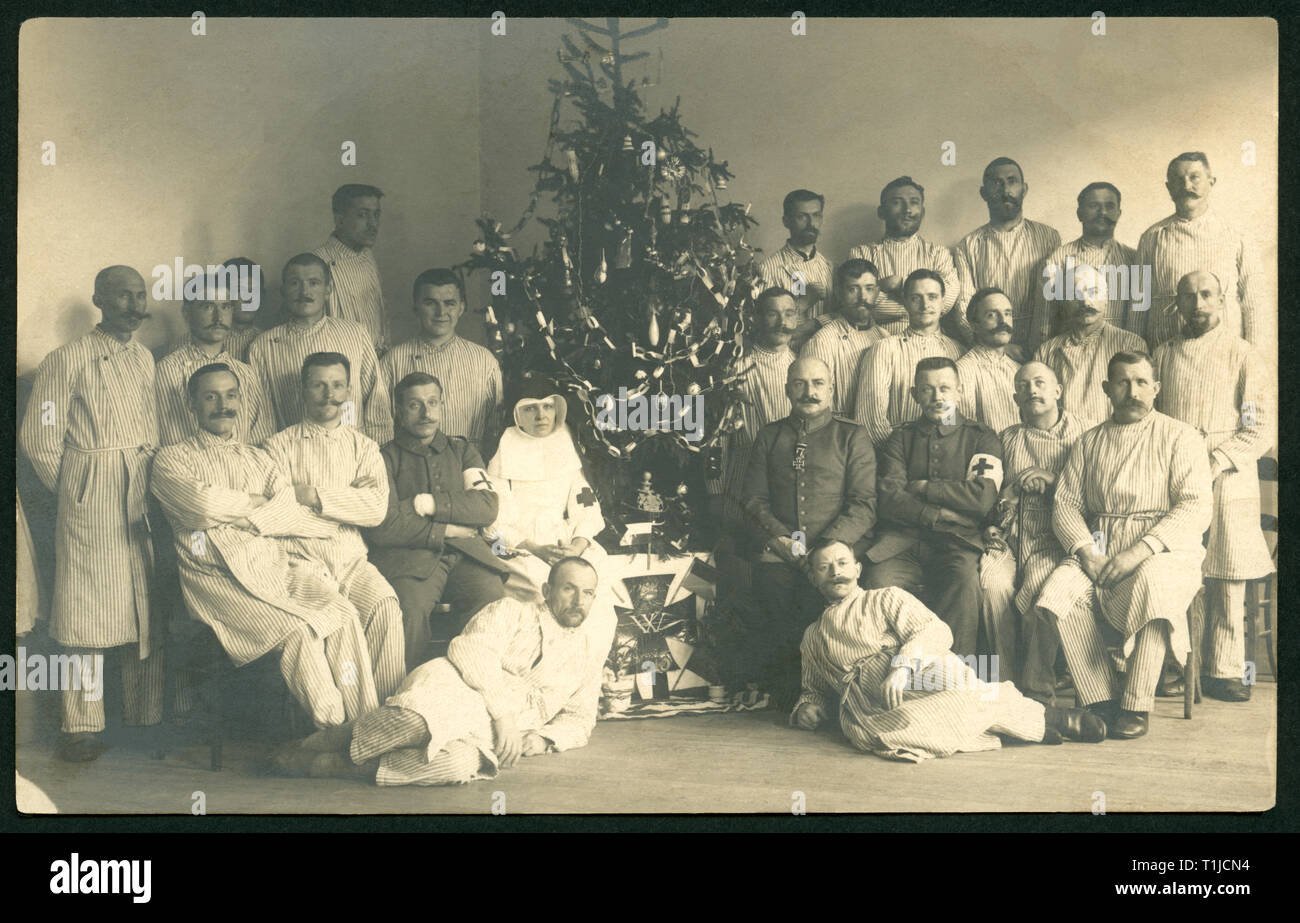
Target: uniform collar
812,425
414,446
929,427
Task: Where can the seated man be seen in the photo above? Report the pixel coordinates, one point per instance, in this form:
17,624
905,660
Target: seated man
234,516
902,694
519,681
1132,503
939,480
339,478
428,545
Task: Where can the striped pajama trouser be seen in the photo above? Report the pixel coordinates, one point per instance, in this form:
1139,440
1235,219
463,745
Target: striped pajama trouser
331,677
1090,664
397,738
381,620
1224,618
142,691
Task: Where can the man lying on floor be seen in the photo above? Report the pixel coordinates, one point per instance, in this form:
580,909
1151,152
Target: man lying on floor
518,681
902,694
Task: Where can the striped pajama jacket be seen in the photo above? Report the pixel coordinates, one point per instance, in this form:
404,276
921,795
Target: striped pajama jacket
1079,362
841,346
1048,316
988,392
762,391
470,376
249,583
1125,483
1220,385
277,356
240,338
175,421
847,653
1013,261
885,376
348,473
357,294
790,269
900,256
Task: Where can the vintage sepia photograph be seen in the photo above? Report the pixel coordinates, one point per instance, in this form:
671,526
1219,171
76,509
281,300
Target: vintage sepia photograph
791,415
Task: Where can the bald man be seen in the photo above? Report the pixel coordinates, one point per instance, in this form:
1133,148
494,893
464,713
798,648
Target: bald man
91,432
811,475
1214,380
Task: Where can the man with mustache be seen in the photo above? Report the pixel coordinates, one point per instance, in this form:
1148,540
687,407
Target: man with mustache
939,478
1195,238
885,370
438,300
811,475
1034,452
768,356
277,355
237,527
428,545
798,266
1079,355
90,432
1215,381
520,680
339,479
841,342
903,250
1007,253
1131,505
350,254
211,320
887,661
985,370
1098,213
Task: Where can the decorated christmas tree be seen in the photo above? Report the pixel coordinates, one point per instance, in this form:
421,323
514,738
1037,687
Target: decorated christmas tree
635,302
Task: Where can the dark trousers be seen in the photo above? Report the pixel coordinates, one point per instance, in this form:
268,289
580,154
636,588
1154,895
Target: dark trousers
785,604
944,572
463,583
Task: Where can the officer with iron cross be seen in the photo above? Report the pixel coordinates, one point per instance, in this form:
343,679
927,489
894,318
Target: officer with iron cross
938,485
811,478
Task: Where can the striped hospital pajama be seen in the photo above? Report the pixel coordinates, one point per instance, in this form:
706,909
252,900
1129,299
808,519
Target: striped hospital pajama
397,738
988,392
1048,315
900,256
142,690
885,376
1080,365
790,269
1013,261
357,295
1223,607
176,422
763,392
841,345
470,376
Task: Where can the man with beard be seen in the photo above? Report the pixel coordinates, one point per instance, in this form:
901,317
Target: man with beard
518,681
902,692
768,357
277,355
210,316
842,341
1079,356
1131,505
985,370
438,300
1195,238
1008,252
1215,381
811,475
1098,213
885,371
903,250
939,480
91,432
798,266
350,254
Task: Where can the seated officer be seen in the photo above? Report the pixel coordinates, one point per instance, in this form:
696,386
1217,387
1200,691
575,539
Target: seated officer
939,478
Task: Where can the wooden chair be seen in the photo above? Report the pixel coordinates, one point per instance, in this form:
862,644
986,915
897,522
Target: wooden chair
1260,603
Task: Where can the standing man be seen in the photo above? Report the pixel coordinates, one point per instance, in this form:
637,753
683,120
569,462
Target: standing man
1214,380
428,544
438,299
885,371
1195,238
987,373
1008,252
350,255
1078,356
338,476
903,250
1131,506
841,342
91,433
939,480
211,321
277,355
1098,213
798,266
811,475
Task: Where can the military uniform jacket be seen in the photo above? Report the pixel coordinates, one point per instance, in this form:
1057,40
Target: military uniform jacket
826,490
961,464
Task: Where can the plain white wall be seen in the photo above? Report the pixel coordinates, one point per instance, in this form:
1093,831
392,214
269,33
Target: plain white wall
204,147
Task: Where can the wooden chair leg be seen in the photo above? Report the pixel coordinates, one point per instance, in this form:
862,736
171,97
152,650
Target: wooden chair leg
1191,688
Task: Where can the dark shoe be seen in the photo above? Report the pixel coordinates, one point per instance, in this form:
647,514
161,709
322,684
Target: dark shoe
1171,689
80,748
1128,724
1227,690
1104,710
1076,724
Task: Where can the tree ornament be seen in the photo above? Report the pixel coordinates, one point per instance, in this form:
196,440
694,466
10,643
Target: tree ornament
665,213
652,335
684,216
600,274
627,143
571,157
480,246
623,253
693,388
